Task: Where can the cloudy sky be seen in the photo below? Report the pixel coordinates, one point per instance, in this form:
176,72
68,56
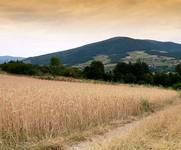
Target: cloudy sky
34,27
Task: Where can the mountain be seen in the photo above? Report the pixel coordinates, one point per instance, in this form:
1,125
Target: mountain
4,59
112,51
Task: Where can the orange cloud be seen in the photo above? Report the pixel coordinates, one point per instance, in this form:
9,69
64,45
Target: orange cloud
45,9
63,24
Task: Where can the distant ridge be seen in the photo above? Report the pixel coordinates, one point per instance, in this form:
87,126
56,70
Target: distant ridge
115,48
4,59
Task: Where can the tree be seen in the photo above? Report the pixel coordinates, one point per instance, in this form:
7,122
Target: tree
129,78
140,68
19,67
86,72
55,61
120,70
130,72
94,71
56,68
108,76
72,72
174,78
162,79
148,78
178,69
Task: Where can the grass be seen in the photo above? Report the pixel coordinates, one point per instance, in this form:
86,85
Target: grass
42,114
162,131
153,60
145,106
103,58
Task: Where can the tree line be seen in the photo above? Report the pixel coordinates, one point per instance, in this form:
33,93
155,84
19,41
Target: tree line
134,73
55,68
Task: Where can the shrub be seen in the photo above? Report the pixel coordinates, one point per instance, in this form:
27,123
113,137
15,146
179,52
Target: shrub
72,72
18,67
145,106
177,86
94,71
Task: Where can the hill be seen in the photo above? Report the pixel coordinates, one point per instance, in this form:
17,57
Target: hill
114,50
4,59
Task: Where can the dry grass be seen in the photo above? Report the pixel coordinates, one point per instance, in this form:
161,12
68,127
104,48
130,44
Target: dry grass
33,111
162,131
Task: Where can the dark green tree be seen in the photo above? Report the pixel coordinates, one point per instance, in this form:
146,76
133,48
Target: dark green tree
174,78
129,78
178,69
94,71
19,67
56,68
139,69
131,72
120,70
72,72
162,79
55,61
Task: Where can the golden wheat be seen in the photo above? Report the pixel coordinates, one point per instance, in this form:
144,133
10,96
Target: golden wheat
161,131
32,109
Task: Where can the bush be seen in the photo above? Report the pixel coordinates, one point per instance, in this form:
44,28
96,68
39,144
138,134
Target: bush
18,67
57,70
177,86
178,69
131,73
72,72
94,71
162,79
129,78
145,106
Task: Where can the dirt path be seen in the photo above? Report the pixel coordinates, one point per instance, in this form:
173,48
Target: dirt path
100,139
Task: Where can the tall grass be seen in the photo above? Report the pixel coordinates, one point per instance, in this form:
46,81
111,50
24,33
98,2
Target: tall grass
33,110
162,131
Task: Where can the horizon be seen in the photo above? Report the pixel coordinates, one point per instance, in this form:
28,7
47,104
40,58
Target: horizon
88,44
36,27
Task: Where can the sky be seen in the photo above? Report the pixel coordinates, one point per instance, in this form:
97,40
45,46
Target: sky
36,27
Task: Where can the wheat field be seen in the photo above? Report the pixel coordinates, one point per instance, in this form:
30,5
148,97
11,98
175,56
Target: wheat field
162,131
32,110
